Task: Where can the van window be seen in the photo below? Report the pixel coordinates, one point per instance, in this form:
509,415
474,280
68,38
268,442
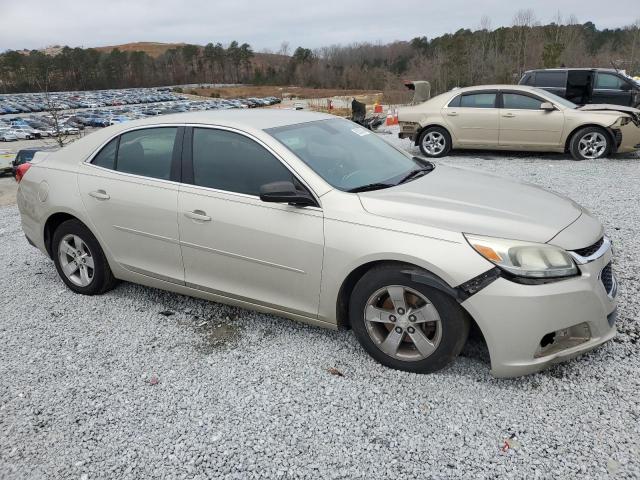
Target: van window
608,81
547,78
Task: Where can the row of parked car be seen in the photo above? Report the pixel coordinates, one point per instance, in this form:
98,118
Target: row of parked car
39,102
73,121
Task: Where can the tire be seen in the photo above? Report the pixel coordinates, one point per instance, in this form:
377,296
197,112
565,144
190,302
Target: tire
435,142
80,241
581,148
372,298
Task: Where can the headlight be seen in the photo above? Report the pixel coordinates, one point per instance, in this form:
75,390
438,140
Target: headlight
524,259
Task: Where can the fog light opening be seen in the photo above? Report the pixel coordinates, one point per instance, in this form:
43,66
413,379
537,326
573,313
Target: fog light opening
548,339
554,342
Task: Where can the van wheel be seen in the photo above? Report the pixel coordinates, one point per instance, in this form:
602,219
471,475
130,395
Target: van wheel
435,142
79,259
404,324
590,143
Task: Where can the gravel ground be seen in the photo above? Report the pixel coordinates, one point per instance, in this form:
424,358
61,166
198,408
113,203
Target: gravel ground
141,383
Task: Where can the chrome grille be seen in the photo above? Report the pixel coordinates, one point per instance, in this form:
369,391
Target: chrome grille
590,250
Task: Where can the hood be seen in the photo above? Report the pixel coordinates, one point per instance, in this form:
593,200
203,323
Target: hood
634,113
466,201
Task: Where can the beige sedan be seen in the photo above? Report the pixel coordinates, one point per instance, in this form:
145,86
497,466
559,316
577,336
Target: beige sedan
317,219
510,117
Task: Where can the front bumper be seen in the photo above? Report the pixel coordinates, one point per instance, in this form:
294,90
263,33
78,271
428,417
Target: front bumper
515,318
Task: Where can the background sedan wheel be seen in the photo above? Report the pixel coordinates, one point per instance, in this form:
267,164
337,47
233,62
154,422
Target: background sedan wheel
79,259
435,142
590,143
404,324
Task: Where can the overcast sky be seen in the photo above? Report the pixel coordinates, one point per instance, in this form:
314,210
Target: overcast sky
265,24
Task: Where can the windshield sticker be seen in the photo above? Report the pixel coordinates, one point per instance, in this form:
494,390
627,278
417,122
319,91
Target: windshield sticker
360,131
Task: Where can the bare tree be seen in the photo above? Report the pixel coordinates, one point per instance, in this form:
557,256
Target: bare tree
284,48
59,133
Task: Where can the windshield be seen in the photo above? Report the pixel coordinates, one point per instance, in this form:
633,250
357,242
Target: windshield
562,101
345,155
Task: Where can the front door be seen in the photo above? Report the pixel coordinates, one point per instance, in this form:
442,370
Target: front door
234,244
610,88
473,119
524,124
131,201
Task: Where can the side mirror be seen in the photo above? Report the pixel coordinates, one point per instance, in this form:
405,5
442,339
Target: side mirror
285,192
625,86
547,107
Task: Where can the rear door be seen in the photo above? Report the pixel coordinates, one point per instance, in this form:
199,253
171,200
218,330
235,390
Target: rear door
523,124
473,118
130,192
611,88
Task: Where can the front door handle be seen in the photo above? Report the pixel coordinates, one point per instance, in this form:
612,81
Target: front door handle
452,114
508,115
100,195
198,215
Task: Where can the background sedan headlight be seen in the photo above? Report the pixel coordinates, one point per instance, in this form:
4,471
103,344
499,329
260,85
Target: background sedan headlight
524,259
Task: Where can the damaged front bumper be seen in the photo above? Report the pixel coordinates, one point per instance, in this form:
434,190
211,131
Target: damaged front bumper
530,327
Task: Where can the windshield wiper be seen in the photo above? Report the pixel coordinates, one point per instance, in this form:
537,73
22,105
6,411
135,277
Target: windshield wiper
415,173
370,186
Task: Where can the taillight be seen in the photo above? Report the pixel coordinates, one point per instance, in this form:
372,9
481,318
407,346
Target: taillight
21,170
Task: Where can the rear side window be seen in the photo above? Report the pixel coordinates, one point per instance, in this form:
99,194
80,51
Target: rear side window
107,156
478,100
520,102
608,81
551,79
234,163
147,152
455,102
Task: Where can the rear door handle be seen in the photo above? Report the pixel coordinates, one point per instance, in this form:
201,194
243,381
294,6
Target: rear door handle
452,114
100,195
508,115
198,215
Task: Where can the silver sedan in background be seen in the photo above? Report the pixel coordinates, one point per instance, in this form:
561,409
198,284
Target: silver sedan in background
314,218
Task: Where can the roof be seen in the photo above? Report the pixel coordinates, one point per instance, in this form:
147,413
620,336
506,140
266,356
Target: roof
495,87
564,69
258,119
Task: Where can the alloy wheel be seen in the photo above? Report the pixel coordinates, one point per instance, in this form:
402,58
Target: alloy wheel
434,143
592,145
76,260
403,323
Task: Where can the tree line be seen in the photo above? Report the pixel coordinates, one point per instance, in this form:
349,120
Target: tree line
467,57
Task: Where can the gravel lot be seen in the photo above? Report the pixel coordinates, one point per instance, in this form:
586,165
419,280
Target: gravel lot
142,383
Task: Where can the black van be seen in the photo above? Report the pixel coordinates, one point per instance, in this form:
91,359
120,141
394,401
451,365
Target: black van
586,85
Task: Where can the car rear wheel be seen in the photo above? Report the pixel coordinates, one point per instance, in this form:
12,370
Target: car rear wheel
404,324
435,142
79,259
590,143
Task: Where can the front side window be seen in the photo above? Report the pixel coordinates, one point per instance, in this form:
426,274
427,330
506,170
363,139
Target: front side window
478,100
344,154
232,162
608,81
520,102
147,152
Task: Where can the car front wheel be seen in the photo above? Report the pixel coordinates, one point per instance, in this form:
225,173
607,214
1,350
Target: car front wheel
404,324
79,259
590,143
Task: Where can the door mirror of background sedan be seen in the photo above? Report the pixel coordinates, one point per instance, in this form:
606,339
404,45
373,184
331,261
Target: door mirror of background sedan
547,106
285,192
